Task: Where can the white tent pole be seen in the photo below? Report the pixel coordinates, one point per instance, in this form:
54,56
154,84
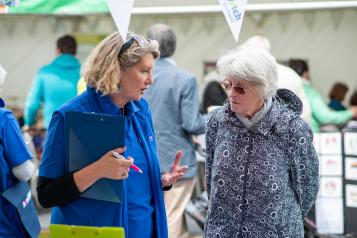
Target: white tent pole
264,7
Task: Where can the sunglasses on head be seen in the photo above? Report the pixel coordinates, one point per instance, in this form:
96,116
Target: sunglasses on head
240,90
140,40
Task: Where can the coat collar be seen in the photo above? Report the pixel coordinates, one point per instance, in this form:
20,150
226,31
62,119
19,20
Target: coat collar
104,104
277,118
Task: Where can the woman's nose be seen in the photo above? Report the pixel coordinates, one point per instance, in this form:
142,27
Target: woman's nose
150,78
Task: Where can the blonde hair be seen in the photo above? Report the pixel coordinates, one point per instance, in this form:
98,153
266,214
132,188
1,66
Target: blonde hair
103,67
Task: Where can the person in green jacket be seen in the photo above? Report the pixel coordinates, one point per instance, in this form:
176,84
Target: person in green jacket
54,84
321,113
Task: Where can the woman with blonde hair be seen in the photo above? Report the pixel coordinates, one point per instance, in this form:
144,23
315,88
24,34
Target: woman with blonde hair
116,73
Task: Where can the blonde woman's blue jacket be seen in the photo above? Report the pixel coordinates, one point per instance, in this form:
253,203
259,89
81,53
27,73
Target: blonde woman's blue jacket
84,211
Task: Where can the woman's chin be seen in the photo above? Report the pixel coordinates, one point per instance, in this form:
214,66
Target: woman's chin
235,108
137,98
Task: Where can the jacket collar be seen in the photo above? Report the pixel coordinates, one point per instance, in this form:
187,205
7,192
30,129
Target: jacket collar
266,125
104,104
66,61
169,60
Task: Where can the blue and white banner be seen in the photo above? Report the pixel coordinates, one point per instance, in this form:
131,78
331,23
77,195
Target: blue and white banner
234,12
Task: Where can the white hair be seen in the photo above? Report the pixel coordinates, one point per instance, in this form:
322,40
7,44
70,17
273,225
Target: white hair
2,76
260,42
251,64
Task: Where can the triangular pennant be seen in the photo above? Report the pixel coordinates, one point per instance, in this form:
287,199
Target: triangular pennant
234,12
121,13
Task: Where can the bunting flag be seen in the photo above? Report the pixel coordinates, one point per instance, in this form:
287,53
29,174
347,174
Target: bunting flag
234,12
121,13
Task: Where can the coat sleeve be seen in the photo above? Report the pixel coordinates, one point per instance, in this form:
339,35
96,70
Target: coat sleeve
192,121
304,166
210,140
33,101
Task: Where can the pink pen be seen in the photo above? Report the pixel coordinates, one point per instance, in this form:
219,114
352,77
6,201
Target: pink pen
133,166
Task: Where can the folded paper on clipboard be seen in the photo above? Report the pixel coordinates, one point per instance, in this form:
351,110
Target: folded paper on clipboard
88,136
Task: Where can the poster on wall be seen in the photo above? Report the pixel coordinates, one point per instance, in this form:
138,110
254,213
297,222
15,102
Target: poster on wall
330,187
351,168
330,165
330,143
350,143
351,195
329,215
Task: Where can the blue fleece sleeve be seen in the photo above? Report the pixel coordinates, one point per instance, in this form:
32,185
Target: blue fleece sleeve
52,163
15,149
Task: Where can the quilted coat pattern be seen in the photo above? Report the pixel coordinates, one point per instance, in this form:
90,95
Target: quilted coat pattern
261,181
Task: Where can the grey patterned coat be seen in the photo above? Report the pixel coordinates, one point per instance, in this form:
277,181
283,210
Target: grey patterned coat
261,181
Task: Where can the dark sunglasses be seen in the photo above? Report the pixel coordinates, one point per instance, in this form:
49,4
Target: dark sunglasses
240,90
141,41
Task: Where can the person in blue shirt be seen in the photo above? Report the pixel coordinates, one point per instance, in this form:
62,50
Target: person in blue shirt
15,165
116,73
54,83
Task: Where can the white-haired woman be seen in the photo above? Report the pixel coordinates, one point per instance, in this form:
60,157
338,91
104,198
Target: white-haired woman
261,167
117,73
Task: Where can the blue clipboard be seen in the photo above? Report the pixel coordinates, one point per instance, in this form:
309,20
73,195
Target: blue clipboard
88,136
19,196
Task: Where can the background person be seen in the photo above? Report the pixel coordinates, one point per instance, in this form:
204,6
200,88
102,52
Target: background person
117,74
337,95
15,165
353,98
213,93
321,113
256,187
54,83
352,125
174,102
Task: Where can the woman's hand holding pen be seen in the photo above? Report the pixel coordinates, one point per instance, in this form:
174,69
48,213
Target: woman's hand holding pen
176,172
113,168
106,167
